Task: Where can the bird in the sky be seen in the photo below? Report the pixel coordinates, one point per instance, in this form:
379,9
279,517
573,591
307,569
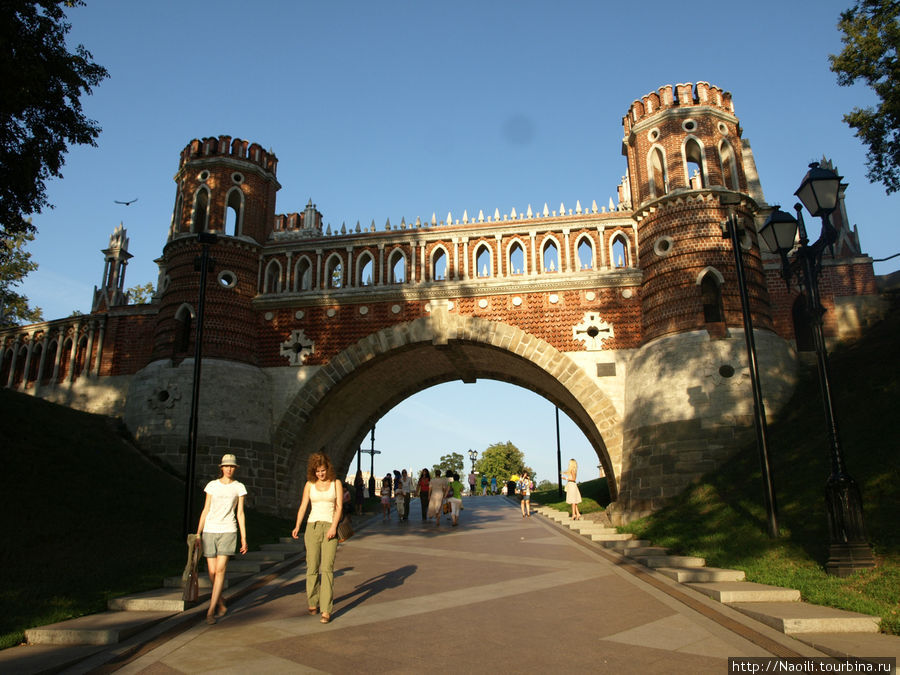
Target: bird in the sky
128,203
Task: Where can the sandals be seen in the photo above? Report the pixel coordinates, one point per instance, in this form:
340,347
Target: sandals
312,611
210,619
326,618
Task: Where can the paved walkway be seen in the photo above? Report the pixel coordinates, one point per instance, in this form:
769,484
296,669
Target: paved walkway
496,594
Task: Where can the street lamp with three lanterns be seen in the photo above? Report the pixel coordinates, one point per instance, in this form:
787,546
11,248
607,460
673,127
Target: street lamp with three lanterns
849,549
473,455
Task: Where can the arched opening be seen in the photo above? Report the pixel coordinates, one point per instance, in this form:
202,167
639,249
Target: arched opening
234,210
334,272
200,213
439,264
184,319
550,256
303,275
711,297
516,262
803,325
585,249
337,408
695,176
483,261
656,168
272,279
397,267
618,248
365,270
729,167
49,362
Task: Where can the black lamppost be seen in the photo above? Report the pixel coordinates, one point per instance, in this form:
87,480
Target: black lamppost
473,455
202,263
759,408
849,548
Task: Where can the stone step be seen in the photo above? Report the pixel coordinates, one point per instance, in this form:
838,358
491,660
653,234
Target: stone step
685,575
106,628
157,600
645,551
593,529
745,591
265,556
795,618
615,537
244,565
231,578
656,561
842,645
621,544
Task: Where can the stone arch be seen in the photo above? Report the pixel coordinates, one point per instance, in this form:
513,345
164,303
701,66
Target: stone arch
336,407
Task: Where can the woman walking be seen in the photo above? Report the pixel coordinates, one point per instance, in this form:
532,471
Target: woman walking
423,487
222,515
573,494
359,488
439,489
322,494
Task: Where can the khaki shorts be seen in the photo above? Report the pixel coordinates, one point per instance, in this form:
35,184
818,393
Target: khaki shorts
219,543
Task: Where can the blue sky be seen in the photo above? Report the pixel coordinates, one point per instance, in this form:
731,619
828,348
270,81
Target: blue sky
388,109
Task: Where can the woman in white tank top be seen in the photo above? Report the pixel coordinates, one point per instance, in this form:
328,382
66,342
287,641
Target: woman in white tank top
322,495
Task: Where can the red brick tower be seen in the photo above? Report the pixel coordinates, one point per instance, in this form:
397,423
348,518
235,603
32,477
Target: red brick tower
685,158
226,187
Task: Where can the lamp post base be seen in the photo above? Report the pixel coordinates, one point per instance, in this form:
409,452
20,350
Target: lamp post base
845,559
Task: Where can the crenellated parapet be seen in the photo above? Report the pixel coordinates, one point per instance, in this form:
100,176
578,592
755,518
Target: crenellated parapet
681,96
226,146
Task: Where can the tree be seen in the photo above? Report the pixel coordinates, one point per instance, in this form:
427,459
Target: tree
452,463
871,37
15,264
141,294
502,460
40,110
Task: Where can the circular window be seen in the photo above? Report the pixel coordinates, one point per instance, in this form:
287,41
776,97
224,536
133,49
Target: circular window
653,135
483,303
689,125
726,371
237,178
723,129
299,314
162,396
227,279
664,246
164,284
204,175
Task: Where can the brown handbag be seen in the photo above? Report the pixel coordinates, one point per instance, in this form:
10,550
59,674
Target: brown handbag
345,527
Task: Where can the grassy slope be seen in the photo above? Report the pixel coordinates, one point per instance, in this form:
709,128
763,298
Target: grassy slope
85,517
722,518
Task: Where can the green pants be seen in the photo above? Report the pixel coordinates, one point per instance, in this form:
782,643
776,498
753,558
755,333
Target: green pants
320,554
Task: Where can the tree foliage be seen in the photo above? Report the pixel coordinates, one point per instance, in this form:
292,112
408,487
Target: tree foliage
452,463
141,294
15,264
871,37
40,109
502,460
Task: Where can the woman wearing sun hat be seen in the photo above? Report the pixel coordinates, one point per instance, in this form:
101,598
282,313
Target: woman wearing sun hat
223,514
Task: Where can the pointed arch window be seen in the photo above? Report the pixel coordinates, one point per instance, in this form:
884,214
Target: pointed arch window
397,267
695,175
365,270
37,349
334,272
483,261
184,319
550,256
234,212
711,297
200,213
618,248
439,264
303,275
272,280
177,215
585,250
656,167
729,166
50,359
516,261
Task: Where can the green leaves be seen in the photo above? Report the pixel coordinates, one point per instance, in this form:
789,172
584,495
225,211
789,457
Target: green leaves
871,38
